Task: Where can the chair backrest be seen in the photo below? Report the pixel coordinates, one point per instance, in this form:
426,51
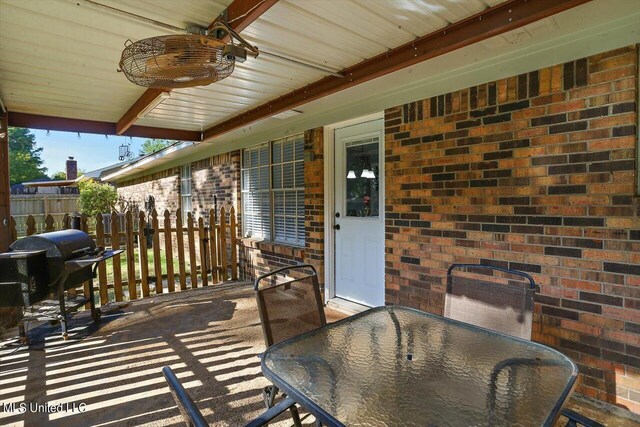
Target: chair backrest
289,302
491,297
190,412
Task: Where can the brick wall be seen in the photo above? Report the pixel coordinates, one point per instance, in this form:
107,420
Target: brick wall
217,175
164,186
314,200
535,172
220,176
259,257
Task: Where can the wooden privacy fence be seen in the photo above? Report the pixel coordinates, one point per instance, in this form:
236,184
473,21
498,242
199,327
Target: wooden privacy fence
39,206
197,252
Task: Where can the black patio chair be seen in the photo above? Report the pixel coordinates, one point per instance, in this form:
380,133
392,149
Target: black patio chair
498,299
193,417
290,304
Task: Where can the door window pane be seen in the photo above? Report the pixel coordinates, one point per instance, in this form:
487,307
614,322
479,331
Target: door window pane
362,197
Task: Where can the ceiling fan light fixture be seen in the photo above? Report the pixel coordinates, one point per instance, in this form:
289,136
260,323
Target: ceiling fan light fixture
367,173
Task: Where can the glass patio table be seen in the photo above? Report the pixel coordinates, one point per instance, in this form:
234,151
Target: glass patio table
399,366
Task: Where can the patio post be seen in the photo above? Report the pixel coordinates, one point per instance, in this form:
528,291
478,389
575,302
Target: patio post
5,211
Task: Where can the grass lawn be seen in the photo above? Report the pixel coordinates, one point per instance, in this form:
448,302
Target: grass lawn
163,263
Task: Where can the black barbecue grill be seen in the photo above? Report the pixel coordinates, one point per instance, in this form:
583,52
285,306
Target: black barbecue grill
47,265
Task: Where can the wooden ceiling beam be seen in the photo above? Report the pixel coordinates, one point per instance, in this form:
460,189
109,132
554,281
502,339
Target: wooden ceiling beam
488,23
35,121
131,115
239,15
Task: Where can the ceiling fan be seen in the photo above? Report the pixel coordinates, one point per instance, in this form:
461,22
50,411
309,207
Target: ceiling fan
185,60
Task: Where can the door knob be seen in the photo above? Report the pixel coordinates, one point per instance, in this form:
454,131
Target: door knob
337,214
336,227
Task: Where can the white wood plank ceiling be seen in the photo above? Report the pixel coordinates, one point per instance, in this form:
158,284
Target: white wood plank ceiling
59,57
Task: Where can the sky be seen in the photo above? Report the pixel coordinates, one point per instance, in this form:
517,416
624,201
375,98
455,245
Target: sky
91,151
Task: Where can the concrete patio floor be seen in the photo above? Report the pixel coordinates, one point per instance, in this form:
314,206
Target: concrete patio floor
211,338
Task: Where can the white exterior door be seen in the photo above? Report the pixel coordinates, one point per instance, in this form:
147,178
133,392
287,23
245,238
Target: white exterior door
359,213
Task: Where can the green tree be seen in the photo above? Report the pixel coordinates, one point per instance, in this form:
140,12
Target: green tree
61,176
150,146
25,163
96,198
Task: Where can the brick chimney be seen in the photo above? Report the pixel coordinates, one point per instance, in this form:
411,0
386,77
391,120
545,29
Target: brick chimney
72,168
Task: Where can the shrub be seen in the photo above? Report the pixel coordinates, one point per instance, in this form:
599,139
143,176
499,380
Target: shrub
96,198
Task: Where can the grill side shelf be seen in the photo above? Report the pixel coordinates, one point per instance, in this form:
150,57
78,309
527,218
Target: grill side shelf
78,263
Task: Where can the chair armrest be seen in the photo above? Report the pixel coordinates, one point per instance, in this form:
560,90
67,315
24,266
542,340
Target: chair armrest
575,417
272,412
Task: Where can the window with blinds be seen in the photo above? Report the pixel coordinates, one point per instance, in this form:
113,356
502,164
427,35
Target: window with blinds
287,172
256,198
185,190
273,191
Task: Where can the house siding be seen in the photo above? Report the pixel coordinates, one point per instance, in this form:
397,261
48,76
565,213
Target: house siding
537,173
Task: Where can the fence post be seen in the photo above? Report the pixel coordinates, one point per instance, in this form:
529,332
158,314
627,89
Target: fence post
223,245
102,268
115,245
157,262
131,258
49,223
84,223
84,226
192,251
168,251
144,259
66,222
180,242
233,232
31,225
13,230
213,244
203,238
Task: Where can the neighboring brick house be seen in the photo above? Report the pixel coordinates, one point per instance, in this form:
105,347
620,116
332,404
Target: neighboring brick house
535,172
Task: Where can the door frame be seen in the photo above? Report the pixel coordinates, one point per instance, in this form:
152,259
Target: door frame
329,197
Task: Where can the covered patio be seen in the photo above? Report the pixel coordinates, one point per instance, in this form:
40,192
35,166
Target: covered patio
211,337
379,142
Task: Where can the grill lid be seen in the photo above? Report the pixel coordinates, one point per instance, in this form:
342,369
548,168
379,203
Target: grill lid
61,246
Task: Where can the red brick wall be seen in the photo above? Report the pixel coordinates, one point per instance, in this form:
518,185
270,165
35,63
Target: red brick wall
314,200
164,186
258,257
220,176
534,172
